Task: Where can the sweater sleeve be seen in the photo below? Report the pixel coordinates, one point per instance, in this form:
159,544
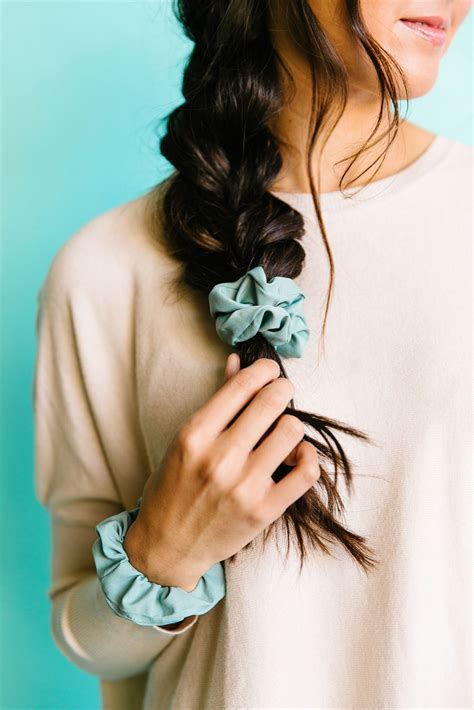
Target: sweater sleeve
86,431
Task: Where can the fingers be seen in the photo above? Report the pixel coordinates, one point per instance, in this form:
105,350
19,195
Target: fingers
295,484
290,460
214,416
261,414
277,446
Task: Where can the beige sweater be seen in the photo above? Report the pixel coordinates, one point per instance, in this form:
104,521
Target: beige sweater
121,363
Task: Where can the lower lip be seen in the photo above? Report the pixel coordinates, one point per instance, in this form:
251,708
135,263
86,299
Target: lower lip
435,35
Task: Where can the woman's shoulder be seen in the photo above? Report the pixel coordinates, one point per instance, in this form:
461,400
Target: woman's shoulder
458,151
453,173
445,171
455,157
112,254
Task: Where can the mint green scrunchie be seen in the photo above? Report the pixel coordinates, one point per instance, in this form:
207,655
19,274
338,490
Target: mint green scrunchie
252,304
131,595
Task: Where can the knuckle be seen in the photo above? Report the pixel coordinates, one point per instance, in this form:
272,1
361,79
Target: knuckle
277,394
312,456
271,400
245,380
291,426
308,476
246,505
310,473
285,386
215,470
238,498
189,440
256,518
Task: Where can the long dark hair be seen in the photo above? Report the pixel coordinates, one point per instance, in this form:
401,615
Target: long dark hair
217,214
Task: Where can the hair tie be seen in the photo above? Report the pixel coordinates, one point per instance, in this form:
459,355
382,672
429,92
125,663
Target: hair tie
131,595
252,305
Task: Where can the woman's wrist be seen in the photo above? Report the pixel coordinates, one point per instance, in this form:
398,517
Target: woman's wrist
168,572
136,588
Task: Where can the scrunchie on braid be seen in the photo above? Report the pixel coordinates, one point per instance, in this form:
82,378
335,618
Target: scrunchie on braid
221,221
253,304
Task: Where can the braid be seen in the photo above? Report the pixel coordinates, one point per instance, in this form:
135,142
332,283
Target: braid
220,220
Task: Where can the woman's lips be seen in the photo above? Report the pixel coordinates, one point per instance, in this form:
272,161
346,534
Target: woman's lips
433,29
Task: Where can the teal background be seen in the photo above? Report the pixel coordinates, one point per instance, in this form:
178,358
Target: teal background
84,86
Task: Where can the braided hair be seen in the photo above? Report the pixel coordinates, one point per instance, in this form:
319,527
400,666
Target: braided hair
220,219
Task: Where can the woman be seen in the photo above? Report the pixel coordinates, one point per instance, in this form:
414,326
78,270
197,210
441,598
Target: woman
361,446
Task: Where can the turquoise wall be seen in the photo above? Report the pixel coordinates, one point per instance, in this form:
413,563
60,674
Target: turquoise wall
84,84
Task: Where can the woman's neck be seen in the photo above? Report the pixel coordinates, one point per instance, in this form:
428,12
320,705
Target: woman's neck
352,130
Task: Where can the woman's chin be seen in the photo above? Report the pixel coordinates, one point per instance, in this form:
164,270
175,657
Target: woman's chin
420,69
420,82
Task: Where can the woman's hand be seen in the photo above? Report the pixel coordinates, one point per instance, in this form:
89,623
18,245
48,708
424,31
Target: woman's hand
214,490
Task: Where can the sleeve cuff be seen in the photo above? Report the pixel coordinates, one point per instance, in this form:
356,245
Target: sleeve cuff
184,626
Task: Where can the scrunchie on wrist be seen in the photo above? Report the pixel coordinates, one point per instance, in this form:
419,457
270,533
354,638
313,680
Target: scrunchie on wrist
131,595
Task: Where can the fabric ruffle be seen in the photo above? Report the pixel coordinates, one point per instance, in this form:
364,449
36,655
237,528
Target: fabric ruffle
252,304
132,595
